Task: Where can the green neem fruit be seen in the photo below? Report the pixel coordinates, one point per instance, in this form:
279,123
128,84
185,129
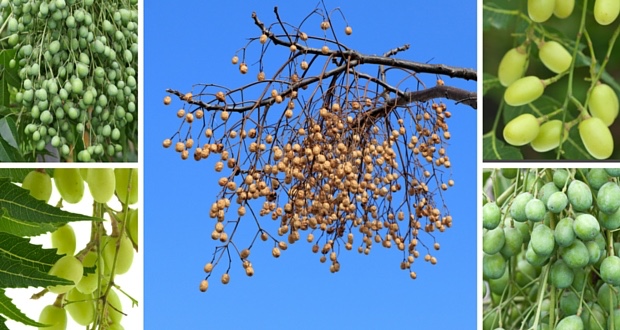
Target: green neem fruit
596,137
572,322
498,286
39,184
540,10
493,240
526,273
561,275
594,251
586,227
55,317
69,268
603,103
69,184
132,226
115,302
517,209
523,228
563,8
512,66
491,320
616,325
524,91
546,191
579,195
513,241
81,307
101,183
125,254
509,173
608,198
563,233
610,221
561,178
534,258
542,240
63,239
493,266
535,210
576,255
123,184
88,283
610,270
596,178
606,11
569,303
548,137
557,202
554,56
593,317
615,172
521,130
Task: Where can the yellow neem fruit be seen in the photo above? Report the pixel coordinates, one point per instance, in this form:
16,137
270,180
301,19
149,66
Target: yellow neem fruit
512,66
69,184
563,8
596,137
603,103
548,137
524,91
606,11
101,184
521,130
540,10
554,56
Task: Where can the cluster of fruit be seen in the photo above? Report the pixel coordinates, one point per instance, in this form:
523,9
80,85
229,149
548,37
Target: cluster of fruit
78,62
551,249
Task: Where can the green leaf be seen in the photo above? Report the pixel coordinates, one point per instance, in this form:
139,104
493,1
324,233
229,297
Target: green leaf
489,82
497,18
18,174
2,325
8,309
494,149
23,215
9,154
8,131
9,76
14,274
22,251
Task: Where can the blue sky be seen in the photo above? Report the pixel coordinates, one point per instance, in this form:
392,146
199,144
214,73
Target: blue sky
191,42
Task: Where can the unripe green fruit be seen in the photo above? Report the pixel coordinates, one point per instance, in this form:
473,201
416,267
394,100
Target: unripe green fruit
81,308
513,242
521,130
526,273
493,266
517,209
563,8
546,191
596,137
101,184
125,254
615,172
560,178
554,56
610,221
542,240
63,239
132,225
69,184
563,233
540,10
53,316
498,286
606,11
88,283
534,258
509,173
608,198
586,227
122,184
596,178
67,267
610,270
524,91
39,184
512,66
493,240
572,322
576,255
603,103
535,210
557,202
579,195
490,215
548,137
114,301
561,275
616,325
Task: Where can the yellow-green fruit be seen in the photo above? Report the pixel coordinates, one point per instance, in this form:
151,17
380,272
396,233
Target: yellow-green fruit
113,313
101,183
80,306
88,283
554,56
548,137
603,103
132,225
521,130
524,91
540,10
69,268
563,8
39,184
125,254
53,316
69,184
123,185
512,66
63,239
606,11
596,137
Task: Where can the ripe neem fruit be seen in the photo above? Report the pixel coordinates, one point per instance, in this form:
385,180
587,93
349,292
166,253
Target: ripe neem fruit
554,56
521,130
524,91
512,66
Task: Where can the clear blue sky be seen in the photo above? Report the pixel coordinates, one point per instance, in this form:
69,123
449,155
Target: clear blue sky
190,42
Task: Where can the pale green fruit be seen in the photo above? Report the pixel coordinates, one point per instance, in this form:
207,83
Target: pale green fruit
69,268
53,316
524,91
563,8
596,137
554,56
39,184
63,239
606,11
521,130
540,10
603,103
69,184
512,66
